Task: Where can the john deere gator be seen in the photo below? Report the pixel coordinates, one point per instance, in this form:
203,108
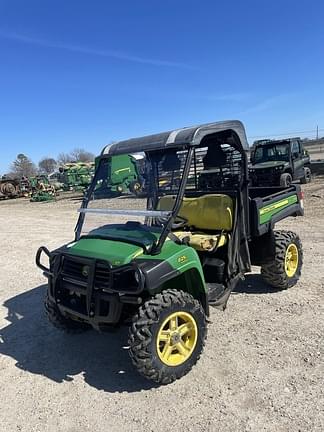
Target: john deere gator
157,264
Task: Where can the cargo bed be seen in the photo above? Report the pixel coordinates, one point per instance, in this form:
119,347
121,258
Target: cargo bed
269,205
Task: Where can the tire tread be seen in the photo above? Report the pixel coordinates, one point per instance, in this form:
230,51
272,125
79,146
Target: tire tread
61,322
140,336
274,272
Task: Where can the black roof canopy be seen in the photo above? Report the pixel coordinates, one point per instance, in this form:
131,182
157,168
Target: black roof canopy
188,136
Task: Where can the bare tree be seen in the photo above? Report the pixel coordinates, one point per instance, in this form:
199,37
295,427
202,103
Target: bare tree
23,166
64,158
76,155
81,155
47,165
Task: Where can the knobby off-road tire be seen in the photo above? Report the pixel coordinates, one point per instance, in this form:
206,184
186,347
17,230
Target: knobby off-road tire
285,270
285,180
61,322
307,176
153,336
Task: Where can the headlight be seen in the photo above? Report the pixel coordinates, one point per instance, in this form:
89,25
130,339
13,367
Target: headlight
127,280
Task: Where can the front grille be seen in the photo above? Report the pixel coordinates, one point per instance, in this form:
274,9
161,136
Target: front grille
102,276
73,269
79,273
266,176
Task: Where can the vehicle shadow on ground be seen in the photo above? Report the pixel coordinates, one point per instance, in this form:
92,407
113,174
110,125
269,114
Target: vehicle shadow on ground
39,348
254,284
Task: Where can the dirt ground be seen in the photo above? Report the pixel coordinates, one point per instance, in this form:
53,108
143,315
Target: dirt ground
262,368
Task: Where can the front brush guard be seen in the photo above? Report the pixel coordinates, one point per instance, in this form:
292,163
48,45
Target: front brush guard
114,297
41,250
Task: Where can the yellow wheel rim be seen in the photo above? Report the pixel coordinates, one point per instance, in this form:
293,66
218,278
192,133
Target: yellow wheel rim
177,338
291,260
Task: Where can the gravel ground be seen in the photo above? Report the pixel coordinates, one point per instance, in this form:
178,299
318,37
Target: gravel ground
262,368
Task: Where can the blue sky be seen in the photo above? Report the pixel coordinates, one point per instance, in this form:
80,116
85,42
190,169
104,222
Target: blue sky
83,73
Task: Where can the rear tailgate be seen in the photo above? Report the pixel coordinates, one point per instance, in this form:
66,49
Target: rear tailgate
266,211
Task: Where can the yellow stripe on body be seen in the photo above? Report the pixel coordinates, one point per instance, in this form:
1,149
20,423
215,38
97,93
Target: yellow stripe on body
274,206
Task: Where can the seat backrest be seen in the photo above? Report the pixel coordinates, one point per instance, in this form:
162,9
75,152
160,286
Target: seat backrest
207,212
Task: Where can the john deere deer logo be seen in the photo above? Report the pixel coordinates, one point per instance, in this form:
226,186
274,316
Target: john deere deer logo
85,271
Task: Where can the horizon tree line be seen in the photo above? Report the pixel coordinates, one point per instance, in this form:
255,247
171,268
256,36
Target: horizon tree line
23,166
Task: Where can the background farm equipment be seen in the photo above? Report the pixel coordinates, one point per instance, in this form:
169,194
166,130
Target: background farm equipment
42,195
9,188
40,189
125,175
75,176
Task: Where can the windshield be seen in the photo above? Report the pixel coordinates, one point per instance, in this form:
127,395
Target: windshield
122,201
271,152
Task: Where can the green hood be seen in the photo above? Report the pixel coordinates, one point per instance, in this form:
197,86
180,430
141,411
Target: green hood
180,257
118,253
269,164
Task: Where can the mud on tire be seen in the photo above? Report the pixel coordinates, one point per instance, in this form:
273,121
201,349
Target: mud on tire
275,272
61,322
144,333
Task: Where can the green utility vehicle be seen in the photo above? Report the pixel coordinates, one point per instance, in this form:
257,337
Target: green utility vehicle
125,174
279,162
158,263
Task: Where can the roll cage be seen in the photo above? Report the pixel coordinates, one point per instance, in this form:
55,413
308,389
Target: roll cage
186,140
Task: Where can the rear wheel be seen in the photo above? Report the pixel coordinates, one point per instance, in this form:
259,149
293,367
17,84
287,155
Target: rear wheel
285,180
167,336
60,321
285,270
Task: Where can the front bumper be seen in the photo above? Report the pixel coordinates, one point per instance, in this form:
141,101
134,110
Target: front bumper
265,177
88,289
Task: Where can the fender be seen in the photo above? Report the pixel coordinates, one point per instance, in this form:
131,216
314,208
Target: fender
175,266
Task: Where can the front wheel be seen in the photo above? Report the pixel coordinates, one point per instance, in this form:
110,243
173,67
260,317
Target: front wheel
167,336
285,180
285,269
61,322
